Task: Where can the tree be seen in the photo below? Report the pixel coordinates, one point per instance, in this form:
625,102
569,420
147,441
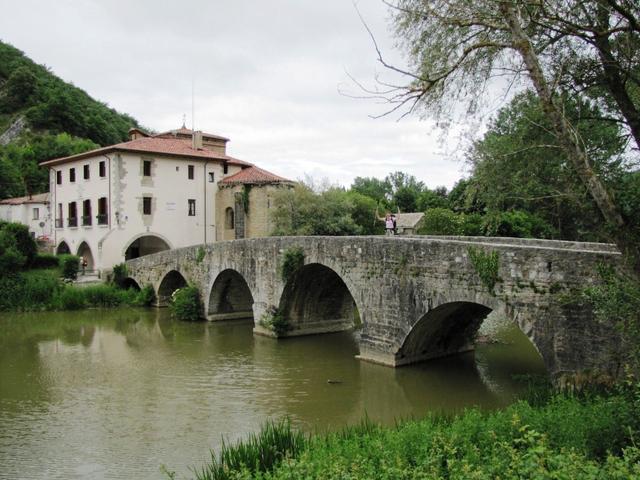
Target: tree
457,46
517,166
301,211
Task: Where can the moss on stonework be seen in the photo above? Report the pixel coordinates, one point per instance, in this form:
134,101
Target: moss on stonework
486,266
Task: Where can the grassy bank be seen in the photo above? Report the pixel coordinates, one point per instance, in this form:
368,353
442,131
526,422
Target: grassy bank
565,437
44,289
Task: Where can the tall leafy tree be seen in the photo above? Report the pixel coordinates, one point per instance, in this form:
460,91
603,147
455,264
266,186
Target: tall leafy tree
457,46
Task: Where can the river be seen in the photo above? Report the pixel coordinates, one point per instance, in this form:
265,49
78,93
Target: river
115,394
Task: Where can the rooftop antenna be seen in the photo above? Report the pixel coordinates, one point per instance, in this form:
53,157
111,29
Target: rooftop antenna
193,107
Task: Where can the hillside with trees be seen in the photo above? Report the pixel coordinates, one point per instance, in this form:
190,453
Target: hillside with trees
44,117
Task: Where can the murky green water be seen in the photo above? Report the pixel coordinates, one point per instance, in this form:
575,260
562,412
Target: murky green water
115,394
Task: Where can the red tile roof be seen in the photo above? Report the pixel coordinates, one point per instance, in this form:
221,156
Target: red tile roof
154,145
37,198
253,176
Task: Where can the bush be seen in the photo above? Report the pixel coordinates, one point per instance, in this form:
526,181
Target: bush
146,296
472,225
292,260
516,223
70,298
185,304
24,242
119,275
46,260
70,265
105,295
441,221
11,259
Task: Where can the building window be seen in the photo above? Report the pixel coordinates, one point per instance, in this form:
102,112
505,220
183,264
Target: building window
102,216
225,168
229,223
146,205
211,177
59,218
72,174
59,177
86,172
191,172
103,169
73,215
36,214
192,207
146,168
86,213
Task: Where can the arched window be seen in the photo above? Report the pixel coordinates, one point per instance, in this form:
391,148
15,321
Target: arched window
229,222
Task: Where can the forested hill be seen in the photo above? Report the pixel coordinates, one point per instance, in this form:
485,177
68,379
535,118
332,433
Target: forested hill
43,117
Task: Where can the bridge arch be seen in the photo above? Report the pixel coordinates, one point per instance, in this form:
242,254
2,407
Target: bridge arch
84,252
145,244
230,297
130,283
451,328
170,282
317,300
63,248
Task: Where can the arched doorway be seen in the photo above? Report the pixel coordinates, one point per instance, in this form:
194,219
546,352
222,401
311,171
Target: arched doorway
230,297
171,282
63,249
317,300
145,245
84,252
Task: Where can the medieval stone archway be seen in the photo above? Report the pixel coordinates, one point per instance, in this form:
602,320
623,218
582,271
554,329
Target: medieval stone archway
145,245
316,300
171,282
230,297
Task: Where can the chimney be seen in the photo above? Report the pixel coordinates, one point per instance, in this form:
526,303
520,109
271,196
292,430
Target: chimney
197,140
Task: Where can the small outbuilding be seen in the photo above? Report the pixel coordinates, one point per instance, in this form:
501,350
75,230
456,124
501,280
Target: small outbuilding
409,223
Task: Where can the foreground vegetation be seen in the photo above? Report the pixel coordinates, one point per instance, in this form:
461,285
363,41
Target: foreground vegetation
586,436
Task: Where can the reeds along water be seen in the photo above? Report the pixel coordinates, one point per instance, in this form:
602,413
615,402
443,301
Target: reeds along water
258,453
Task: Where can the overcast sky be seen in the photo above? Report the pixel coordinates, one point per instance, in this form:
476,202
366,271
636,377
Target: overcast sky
267,75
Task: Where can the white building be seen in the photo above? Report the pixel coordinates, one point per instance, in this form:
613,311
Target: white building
138,197
32,211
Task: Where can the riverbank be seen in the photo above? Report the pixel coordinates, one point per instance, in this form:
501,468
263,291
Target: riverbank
46,289
560,436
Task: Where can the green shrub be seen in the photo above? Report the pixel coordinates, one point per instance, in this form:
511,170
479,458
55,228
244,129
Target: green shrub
441,221
486,265
146,296
472,225
119,275
69,298
11,259
185,304
516,223
24,242
46,260
275,320
105,295
69,265
292,260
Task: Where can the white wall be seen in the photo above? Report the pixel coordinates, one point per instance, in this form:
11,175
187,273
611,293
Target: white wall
23,213
125,186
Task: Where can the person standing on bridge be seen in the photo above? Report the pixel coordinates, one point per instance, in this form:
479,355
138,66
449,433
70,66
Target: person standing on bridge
389,224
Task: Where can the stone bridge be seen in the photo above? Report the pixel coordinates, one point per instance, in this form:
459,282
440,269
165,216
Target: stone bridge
413,298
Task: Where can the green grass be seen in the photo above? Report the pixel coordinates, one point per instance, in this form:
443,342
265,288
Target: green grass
43,289
569,437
